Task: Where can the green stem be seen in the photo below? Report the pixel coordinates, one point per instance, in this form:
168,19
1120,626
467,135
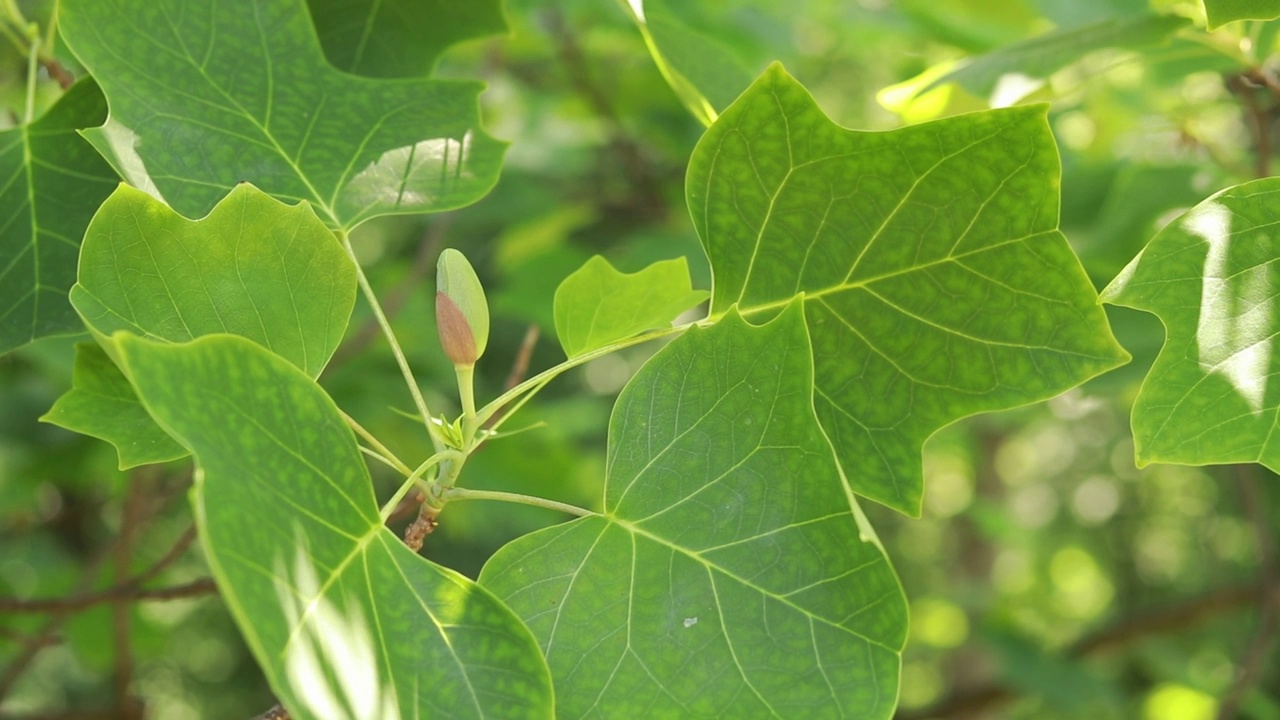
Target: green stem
379,457
467,393
390,334
33,69
415,476
541,379
394,461
465,494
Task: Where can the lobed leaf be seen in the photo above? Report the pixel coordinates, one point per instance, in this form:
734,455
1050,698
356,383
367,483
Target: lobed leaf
727,576
343,618
53,181
203,99
597,305
399,38
254,267
1209,276
102,403
936,284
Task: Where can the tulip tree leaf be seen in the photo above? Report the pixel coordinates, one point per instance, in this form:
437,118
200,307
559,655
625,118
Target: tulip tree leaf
102,403
1221,12
936,283
1210,277
53,181
399,38
343,618
254,267
202,99
597,305
727,576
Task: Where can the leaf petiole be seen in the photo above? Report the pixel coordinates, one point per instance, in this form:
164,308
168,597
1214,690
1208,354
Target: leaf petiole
383,453
390,334
416,476
465,494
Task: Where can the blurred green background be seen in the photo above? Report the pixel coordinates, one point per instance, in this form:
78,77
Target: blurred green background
1049,577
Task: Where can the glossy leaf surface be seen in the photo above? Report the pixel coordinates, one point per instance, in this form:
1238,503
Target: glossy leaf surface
1210,277
343,618
202,99
597,305
52,182
399,38
103,404
253,267
936,282
727,576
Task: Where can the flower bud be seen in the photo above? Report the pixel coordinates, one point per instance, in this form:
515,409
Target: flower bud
462,314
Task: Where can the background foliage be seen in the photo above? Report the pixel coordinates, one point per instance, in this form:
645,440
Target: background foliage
1049,576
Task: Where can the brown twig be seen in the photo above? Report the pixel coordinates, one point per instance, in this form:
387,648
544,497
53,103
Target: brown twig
393,302
1176,618
520,367
1245,86
58,73
277,712
1260,643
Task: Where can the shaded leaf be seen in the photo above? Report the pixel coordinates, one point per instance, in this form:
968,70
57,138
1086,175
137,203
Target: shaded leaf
202,99
254,267
1209,276
936,282
727,576
399,38
1221,12
53,181
597,305
102,403
1008,74
343,618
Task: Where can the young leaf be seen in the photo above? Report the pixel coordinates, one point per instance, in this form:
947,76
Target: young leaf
253,267
727,577
343,618
53,182
249,96
936,284
1221,12
101,403
399,38
597,305
1209,276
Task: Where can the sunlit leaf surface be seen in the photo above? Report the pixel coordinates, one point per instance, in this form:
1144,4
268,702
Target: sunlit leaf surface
202,99
727,576
1210,276
254,267
597,305
936,282
345,620
52,182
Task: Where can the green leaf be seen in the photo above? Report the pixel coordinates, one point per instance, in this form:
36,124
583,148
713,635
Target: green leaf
254,267
53,181
727,576
1008,74
1221,12
936,283
202,99
102,403
343,618
597,305
1209,277
399,38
